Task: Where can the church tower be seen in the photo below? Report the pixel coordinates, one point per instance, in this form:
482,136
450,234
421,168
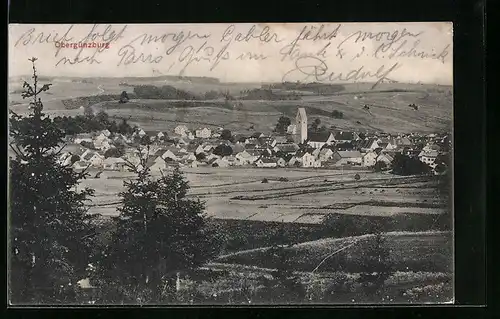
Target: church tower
301,126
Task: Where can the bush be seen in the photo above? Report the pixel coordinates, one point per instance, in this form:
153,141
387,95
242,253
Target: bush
283,179
379,166
357,177
337,114
265,180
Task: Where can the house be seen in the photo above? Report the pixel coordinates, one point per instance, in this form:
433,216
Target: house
325,154
290,148
368,144
199,149
245,158
309,160
96,160
80,165
169,154
281,162
266,162
106,133
340,137
141,133
319,139
190,136
79,138
220,162
267,141
291,129
280,139
114,163
370,158
158,165
257,135
428,157
402,142
385,157
203,133
181,130
347,158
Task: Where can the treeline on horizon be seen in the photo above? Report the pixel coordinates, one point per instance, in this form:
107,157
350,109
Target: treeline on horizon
80,124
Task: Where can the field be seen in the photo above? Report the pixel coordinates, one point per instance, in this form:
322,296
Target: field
308,196
388,104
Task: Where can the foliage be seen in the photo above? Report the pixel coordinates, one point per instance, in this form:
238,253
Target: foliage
114,152
337,114
285,287
315,125
379,166
124,97
159,233
282,125
89,123
51,233
226,135
165,92
377,266
357,177
405,165
223,150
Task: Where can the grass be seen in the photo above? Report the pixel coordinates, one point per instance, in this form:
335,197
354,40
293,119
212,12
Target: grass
425,251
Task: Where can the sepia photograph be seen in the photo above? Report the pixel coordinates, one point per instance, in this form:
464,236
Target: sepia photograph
230,164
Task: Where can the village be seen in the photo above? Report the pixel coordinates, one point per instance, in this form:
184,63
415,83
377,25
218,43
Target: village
298,147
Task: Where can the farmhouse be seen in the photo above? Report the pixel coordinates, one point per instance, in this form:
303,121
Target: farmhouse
203,133
347,158
370,158
385,157
266,162
309,160
290,148
318,140
181,130
325,154
114,163
428,157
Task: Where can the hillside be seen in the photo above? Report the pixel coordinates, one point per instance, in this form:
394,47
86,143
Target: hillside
388,104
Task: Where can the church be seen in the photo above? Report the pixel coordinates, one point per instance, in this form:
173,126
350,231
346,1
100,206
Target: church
300,126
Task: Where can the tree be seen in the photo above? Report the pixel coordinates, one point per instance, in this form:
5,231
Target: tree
124,97
315,125
114,152
223,150
337,114
282,125
285,286
159,233
377,266
226,135
379,166
51,233
405,165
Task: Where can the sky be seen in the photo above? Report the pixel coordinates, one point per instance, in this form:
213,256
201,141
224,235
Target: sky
329,52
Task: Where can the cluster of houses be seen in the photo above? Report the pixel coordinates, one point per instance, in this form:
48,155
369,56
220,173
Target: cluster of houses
204,147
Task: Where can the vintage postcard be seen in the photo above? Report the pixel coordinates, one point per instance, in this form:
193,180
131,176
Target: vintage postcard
230,164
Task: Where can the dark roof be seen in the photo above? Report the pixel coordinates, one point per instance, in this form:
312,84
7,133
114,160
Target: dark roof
366,143
288,148
256,135
318,136
344,136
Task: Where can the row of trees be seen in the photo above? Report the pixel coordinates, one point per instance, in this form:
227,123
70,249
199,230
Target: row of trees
92,123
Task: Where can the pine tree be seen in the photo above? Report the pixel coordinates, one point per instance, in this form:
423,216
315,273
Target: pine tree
159,233
377,263
50,230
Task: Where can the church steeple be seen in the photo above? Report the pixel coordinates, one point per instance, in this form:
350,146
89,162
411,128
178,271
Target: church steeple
301,126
